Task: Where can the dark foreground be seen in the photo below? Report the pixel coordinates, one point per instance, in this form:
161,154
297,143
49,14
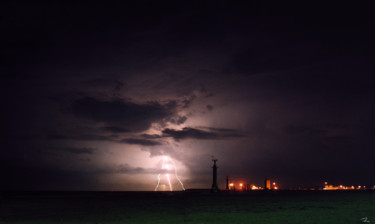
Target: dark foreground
188,207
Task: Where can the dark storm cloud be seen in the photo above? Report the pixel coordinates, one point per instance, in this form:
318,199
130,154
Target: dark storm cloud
164,150
138,141
334,78
119,85
132,116
147,136
296,80
181,120
273,57
83,137
193,133
341,139
301,129
116,129
100,82
188,100
127,169
189,133
77,150
227,131
178,120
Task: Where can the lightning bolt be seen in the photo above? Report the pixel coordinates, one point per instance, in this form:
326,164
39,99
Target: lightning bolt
175,173
158,182
169,181
162,167
168,167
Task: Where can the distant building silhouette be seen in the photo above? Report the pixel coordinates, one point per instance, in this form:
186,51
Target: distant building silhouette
214,187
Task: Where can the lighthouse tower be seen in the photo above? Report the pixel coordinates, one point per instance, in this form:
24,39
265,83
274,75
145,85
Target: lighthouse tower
214,187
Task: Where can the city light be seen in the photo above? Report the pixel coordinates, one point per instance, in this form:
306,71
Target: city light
254,187
249,187
342,187
273,186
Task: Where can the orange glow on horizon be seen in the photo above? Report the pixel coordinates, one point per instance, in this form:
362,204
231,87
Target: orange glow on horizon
343,187
253,187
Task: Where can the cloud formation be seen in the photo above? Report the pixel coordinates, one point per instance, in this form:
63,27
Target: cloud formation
83,137
129,115
193,133
280,86
115,129
77,150
139,141
127,169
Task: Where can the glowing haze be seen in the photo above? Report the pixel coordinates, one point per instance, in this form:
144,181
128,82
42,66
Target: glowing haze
141,96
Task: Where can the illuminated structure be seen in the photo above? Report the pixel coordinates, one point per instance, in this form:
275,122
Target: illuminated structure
241,186
214,187
231,187
253,187
267,184
274,186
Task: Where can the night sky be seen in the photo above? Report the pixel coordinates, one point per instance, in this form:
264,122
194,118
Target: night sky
95,95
